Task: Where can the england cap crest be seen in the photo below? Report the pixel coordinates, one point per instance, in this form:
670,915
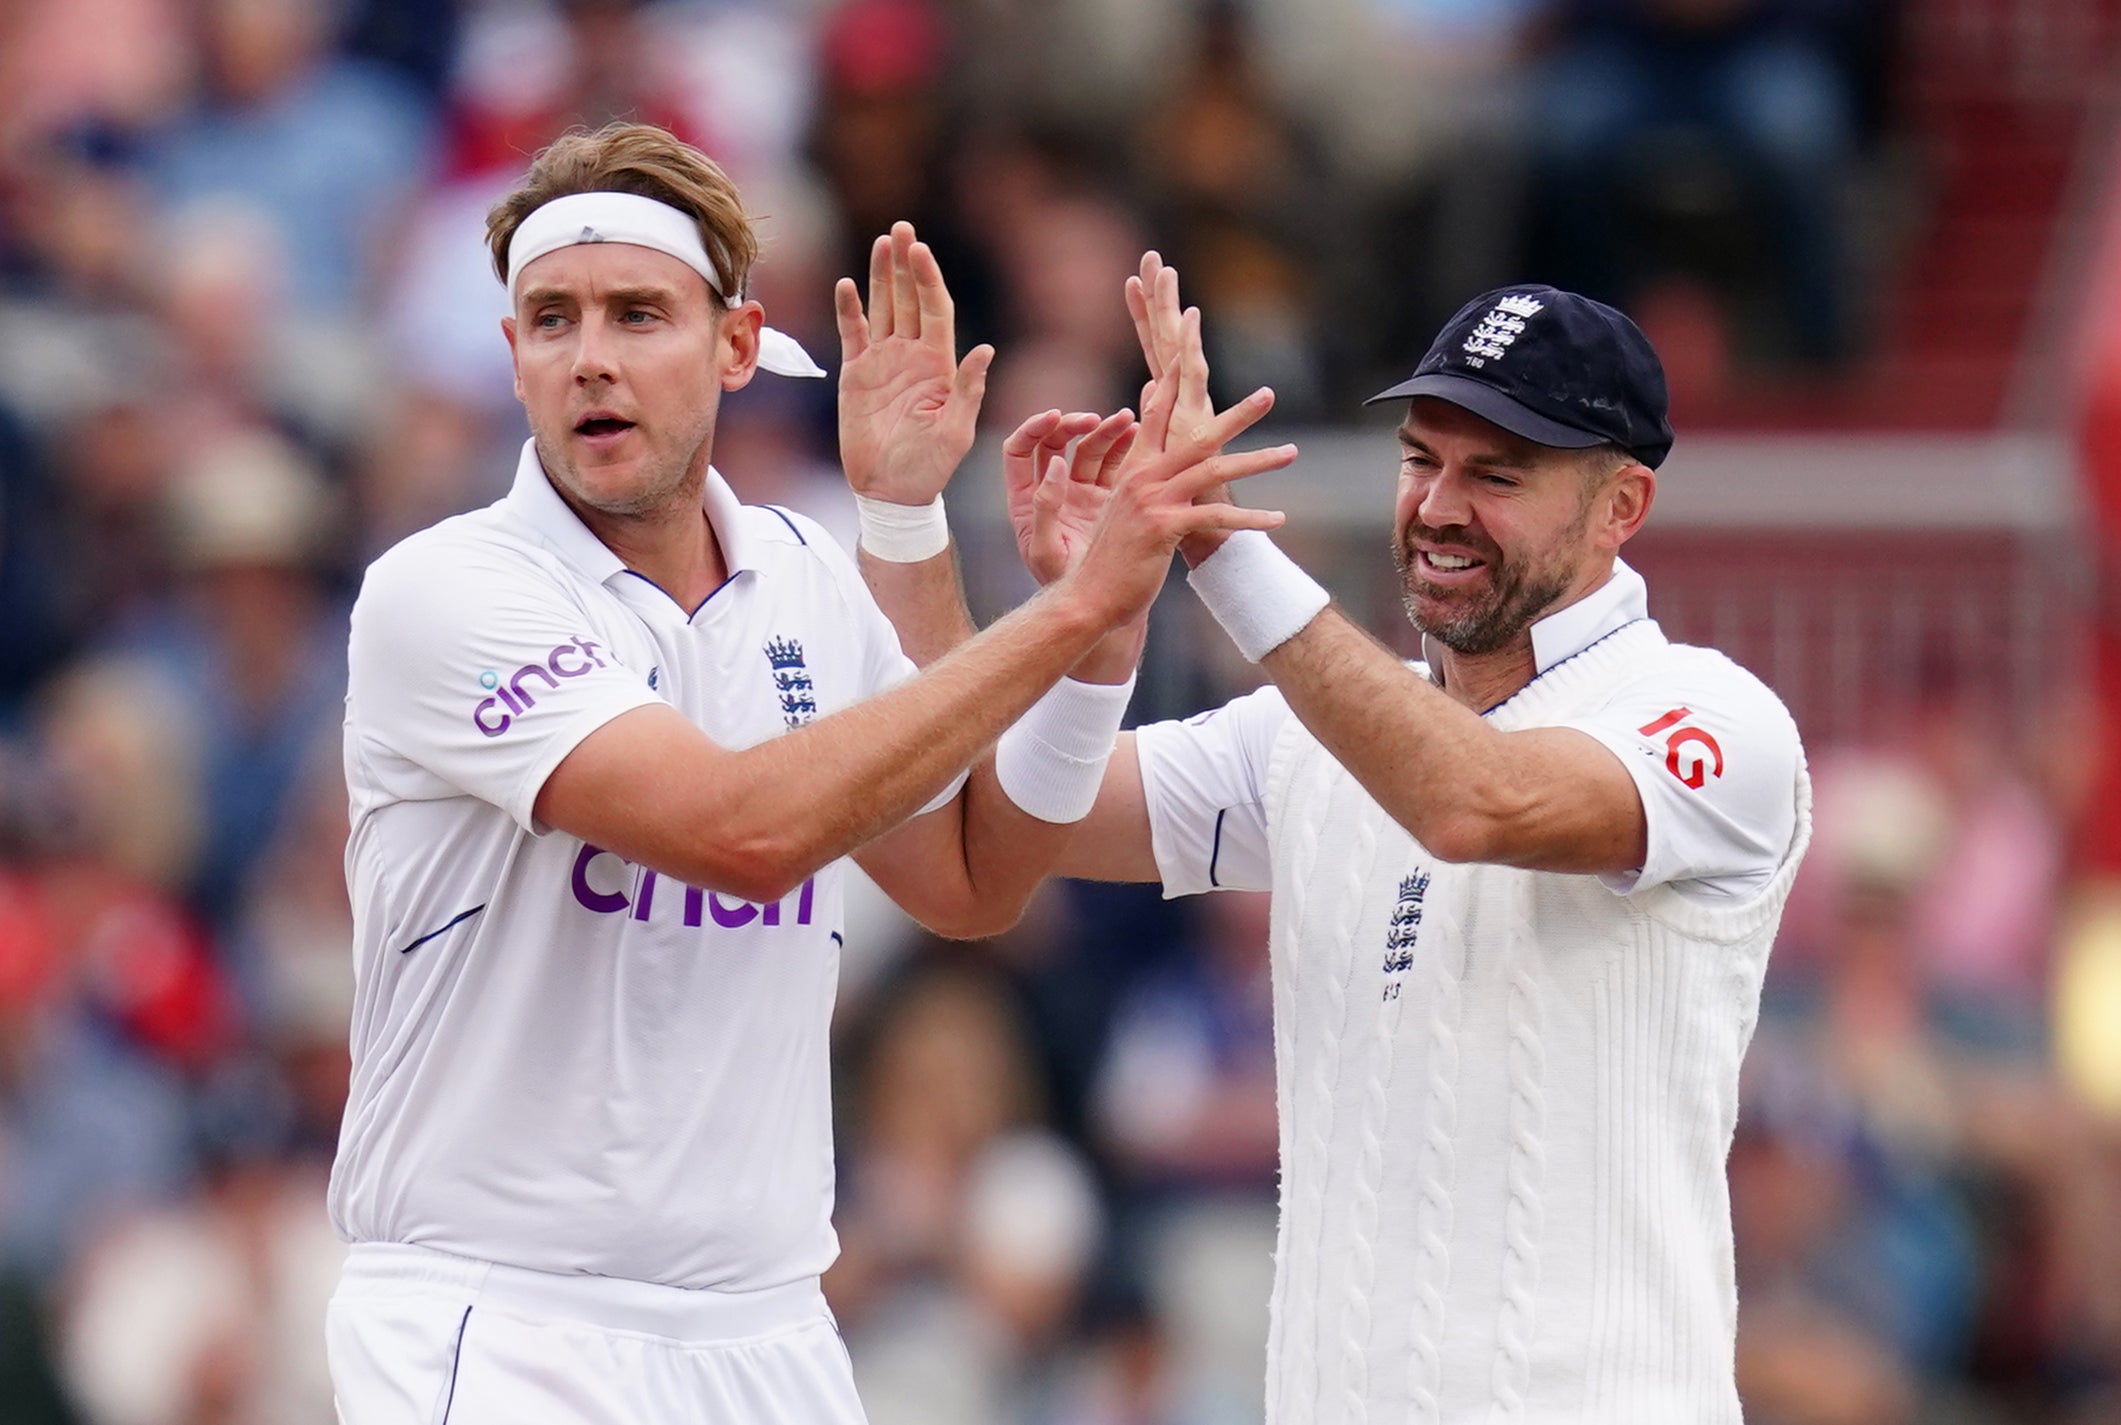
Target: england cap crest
1554,367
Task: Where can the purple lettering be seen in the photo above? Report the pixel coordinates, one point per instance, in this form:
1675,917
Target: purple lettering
507,700
730,917
695,905
478,719
646,896
516,683
802,907
589,897
589,648
565,672
773,914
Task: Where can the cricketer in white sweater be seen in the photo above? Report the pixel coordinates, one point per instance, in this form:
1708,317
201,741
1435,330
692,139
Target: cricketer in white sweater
1524,894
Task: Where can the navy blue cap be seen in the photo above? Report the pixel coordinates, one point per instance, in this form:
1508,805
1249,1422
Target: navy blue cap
1553,367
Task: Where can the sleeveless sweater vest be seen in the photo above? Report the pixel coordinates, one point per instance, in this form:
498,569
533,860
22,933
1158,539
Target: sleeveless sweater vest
1506,1099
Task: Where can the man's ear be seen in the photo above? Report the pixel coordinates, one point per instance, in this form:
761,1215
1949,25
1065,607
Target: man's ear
1628,497
508,330
736,347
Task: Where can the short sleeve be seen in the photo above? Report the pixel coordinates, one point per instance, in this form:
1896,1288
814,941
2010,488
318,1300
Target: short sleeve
1714,755
479,668
1205,783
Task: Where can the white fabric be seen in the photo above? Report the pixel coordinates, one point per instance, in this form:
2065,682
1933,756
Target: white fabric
425,1337
559,1061
641,222
1205,778
1051,760
1257,593
1505,1099
903,534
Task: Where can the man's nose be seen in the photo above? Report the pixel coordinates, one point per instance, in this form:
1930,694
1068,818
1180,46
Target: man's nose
1444,501
592,354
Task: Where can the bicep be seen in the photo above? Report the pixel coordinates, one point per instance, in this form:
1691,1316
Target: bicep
1113,842
1572,807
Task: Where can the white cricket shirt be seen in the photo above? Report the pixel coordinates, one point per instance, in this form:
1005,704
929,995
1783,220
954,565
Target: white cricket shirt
1712,751
561,1060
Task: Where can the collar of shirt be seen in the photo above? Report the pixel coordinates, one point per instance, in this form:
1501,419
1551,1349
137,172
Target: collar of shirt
534,498
1620,600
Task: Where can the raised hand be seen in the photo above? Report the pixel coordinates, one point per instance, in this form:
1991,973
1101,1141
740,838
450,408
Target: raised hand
1055,497
1152,505
907,405
1170,340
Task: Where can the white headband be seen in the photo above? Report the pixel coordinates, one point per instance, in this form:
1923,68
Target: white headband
643,222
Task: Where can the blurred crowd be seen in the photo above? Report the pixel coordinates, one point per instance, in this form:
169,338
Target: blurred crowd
248,339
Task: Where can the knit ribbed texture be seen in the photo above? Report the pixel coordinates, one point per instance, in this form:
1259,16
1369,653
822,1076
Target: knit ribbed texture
1503,1194
1433,1180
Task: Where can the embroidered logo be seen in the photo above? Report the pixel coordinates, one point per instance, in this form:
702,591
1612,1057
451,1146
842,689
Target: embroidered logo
1500,328
1406,923
590,234
791,679
653,674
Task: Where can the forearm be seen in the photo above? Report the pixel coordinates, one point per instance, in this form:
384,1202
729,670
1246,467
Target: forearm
1434,766
924,600
820,792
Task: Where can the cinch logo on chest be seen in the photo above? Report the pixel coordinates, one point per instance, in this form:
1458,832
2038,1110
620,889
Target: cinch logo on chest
569,660
791,680
700,905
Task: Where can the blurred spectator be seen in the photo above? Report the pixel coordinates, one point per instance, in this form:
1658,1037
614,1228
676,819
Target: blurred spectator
1228,170
1647,111
886,143
89,1126
210,1311
327,151
1186,1101
253,651
966,1228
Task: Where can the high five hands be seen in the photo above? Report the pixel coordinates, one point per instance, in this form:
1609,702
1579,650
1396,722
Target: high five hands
907,405
1057,497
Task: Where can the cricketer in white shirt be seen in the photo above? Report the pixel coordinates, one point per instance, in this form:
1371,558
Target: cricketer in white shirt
586,1165
522,1093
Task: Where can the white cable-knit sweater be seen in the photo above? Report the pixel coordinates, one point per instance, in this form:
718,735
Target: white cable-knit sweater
1503,1189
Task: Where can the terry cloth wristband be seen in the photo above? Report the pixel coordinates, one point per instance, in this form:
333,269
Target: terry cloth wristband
903,534
1051,762
1257,593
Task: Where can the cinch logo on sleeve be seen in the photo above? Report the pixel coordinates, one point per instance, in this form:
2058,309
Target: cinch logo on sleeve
569,660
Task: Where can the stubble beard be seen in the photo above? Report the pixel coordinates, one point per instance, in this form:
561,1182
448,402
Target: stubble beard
1491,620
662,489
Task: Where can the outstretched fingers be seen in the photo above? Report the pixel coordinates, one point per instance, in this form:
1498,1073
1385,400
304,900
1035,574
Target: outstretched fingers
938,313
880,288
1206,519
1220,428
847,312
1203,476
905,294
1100,447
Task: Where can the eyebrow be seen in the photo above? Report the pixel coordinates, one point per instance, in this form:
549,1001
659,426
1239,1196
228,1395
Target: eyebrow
613,296
1499,460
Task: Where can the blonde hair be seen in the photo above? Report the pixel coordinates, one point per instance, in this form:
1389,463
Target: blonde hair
643,160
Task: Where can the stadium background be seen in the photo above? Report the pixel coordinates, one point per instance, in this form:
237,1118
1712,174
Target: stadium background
247,340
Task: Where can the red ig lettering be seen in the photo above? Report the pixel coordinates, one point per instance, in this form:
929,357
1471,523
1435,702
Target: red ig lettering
1698,768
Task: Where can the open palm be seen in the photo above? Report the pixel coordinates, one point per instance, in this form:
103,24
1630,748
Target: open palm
907,405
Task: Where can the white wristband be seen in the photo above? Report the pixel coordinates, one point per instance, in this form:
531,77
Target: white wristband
903,534
1051,762
1257,593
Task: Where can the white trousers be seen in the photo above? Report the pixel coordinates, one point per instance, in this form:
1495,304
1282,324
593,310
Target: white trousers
419,1337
